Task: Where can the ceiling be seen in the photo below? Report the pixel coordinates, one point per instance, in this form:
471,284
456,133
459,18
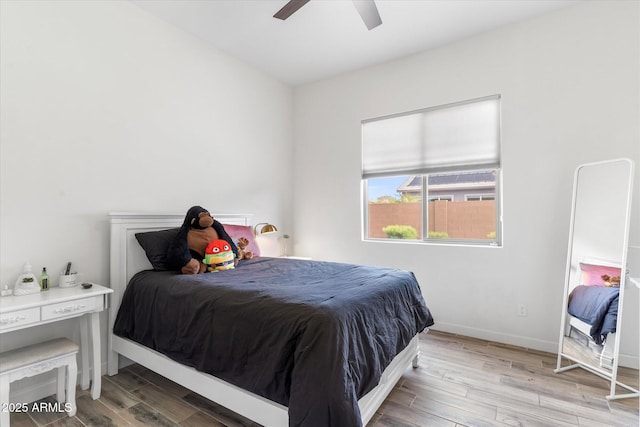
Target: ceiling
327,37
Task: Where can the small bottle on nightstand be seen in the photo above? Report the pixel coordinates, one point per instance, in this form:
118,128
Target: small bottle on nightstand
44,280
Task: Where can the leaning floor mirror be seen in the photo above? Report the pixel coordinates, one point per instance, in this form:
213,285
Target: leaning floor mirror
596,271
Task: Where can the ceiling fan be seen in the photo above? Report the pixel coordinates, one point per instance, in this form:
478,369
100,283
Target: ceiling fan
366,8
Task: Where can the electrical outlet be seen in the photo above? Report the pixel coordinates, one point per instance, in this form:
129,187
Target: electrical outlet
522,310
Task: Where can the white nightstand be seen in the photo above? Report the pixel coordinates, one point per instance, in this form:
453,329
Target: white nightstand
27,311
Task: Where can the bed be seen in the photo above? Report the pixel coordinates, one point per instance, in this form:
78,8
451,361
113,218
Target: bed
284,341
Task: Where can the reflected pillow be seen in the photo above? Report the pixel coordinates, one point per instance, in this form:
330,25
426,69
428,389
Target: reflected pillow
592,273
156,244
246,231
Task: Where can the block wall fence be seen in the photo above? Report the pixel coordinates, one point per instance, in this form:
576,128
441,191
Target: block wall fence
460,220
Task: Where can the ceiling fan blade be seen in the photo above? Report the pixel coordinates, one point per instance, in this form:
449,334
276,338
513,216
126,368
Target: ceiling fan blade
369,12
290,8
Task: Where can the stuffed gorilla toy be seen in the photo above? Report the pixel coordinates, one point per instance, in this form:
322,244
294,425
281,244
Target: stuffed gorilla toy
187,251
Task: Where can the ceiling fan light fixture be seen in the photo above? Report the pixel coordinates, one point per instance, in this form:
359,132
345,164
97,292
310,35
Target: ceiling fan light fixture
366,8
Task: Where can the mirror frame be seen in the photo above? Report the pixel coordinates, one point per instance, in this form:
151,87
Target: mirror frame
572,269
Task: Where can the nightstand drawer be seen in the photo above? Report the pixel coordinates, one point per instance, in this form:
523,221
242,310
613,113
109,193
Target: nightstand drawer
68,308
19,318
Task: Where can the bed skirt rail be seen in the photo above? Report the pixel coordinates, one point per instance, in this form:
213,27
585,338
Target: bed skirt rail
243,402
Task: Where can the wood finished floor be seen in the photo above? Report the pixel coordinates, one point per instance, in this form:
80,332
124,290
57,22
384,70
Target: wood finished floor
461,381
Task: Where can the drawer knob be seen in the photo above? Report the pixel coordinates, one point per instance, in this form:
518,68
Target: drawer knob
69,309
14,319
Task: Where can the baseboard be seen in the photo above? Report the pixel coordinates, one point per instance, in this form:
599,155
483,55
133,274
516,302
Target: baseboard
626,360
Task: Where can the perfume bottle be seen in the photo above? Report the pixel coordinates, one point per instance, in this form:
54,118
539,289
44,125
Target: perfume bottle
44,280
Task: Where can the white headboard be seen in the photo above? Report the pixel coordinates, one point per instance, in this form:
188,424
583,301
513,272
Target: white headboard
128,257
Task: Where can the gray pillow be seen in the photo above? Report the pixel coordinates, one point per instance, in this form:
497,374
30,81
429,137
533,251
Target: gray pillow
156,244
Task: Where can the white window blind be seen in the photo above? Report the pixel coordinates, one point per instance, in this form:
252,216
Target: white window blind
459,136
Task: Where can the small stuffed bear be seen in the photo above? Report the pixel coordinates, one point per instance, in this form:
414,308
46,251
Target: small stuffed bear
199,228
243,253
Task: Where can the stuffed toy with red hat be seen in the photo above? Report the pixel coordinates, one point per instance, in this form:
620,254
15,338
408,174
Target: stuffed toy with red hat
218,256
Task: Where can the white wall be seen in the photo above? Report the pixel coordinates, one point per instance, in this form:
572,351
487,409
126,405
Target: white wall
570,94
106,108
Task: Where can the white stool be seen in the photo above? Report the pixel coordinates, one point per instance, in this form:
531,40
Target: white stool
35,359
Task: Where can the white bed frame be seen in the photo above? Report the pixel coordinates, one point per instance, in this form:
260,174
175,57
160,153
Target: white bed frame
127,258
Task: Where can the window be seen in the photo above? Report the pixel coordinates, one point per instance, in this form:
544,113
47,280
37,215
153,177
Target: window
434,175
434,198
477,197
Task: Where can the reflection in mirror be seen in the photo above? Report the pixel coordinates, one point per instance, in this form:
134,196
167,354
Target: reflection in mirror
596,270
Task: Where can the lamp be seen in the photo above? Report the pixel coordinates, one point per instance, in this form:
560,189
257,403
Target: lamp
266,228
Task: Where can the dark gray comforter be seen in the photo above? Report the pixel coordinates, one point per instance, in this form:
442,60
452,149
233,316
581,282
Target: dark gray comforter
597,306
314,336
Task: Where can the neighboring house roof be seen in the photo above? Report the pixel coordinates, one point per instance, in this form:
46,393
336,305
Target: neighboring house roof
458,180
